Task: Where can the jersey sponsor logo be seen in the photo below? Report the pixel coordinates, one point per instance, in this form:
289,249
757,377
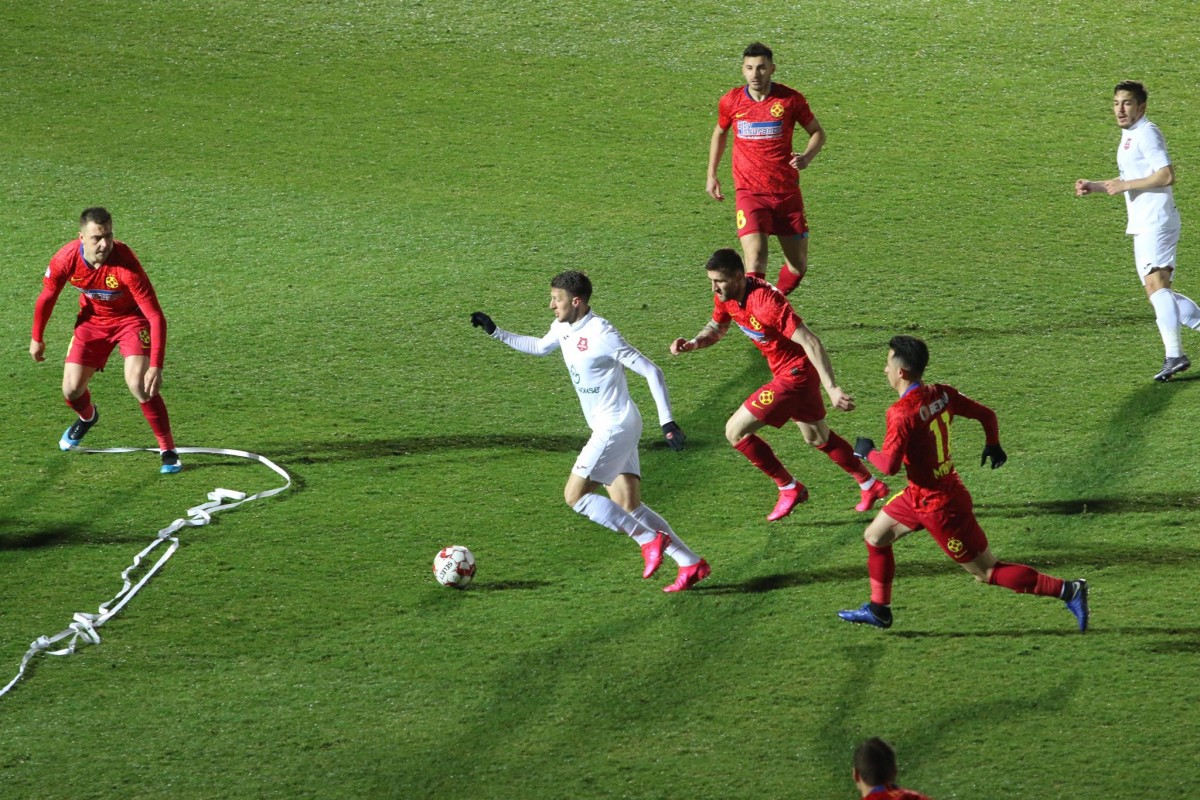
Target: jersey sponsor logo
740,114
111,281
954,545
771,129
103,295
765,398
777,109
582,344
756,336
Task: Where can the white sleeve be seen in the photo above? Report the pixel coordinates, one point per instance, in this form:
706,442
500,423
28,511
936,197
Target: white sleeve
643,366
528,344
1154,147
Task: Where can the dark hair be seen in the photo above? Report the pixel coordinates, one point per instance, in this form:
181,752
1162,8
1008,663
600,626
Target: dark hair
875,761
574,283
726,261
912,353
1135,88
96,214
756,49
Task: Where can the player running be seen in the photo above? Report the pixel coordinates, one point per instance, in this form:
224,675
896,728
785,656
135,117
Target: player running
918,436
763,115
596,356
117,308
797,360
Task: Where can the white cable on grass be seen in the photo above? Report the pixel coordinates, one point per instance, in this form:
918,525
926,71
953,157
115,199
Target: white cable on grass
84,626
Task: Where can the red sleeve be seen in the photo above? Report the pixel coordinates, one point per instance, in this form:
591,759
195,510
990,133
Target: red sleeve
773,310
804,114
963,406
147,302
725,112
889,459
52,285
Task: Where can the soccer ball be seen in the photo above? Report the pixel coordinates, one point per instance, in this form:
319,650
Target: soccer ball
454,566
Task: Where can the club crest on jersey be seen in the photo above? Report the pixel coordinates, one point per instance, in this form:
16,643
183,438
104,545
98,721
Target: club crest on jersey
144,336
766,397
111,281
777,109
582,345
954,545
1128,142
770,129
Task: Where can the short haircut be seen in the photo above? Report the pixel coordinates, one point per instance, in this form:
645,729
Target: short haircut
96,214
574,283
875,762
912,353
1135,88
756,49
726,261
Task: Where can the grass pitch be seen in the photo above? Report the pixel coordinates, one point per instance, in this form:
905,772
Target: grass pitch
322,193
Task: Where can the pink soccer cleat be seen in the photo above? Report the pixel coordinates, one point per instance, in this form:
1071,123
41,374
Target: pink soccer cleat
878,491
689,577
788,499
652,553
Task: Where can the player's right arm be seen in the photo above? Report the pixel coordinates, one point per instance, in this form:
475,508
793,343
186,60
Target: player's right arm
709,335
889,459
716,148
52,284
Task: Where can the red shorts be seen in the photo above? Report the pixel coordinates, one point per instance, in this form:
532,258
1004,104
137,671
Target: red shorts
951,523
772,214
95,339
797,398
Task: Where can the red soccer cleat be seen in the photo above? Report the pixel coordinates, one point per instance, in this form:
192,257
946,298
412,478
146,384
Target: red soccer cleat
689,577
788,499
878,491
652,553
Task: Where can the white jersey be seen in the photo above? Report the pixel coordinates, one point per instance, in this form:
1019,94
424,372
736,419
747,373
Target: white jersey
1142,152
596,355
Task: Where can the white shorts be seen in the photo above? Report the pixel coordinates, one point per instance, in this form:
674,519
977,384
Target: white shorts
611,452
1154,249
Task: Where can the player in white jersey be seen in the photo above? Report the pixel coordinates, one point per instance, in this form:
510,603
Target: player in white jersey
1146,180
596,356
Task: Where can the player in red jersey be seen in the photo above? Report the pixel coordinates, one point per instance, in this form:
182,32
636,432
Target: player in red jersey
799,366
918,436
117,308
763,114
875,772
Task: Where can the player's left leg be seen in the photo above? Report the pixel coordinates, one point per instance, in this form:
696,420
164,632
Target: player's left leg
626,491
741,431
754,253
1154,255
154,409
1027,580
795,267
818,434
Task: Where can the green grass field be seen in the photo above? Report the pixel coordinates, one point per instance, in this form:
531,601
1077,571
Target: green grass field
322,193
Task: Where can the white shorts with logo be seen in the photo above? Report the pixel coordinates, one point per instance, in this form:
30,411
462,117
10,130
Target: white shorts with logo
1155,249
611,452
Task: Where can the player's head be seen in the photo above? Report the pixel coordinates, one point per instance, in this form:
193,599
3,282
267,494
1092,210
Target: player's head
758,65
874,763
96,233
1129,102
907,358
570,292
727,274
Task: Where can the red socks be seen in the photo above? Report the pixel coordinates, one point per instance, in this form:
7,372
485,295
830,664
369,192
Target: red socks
82,405
762,456
1025,580
155,412
788,280
881,567
842,454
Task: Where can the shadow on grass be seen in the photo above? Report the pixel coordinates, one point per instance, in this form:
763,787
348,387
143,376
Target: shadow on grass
47,537
1190,642
1144,504
507,586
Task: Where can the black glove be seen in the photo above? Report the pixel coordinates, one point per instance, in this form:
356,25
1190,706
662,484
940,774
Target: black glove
862,446
996,453
482,320
674,435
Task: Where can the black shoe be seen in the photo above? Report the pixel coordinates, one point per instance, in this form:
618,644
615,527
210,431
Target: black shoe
74,434
170,462
1171,366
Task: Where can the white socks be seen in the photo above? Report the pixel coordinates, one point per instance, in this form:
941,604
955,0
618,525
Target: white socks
1166,314
641,526
1189,312
678,549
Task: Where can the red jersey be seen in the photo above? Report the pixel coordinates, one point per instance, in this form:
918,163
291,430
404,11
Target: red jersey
767,317
918,433
894,793
762,137
117,288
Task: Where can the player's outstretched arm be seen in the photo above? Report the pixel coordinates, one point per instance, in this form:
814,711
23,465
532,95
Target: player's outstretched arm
820,359
709,335
482,320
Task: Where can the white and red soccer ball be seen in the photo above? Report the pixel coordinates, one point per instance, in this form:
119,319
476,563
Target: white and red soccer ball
454,566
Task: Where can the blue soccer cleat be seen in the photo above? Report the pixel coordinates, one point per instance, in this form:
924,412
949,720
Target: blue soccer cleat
1078,604
170,462
73,435
863,615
